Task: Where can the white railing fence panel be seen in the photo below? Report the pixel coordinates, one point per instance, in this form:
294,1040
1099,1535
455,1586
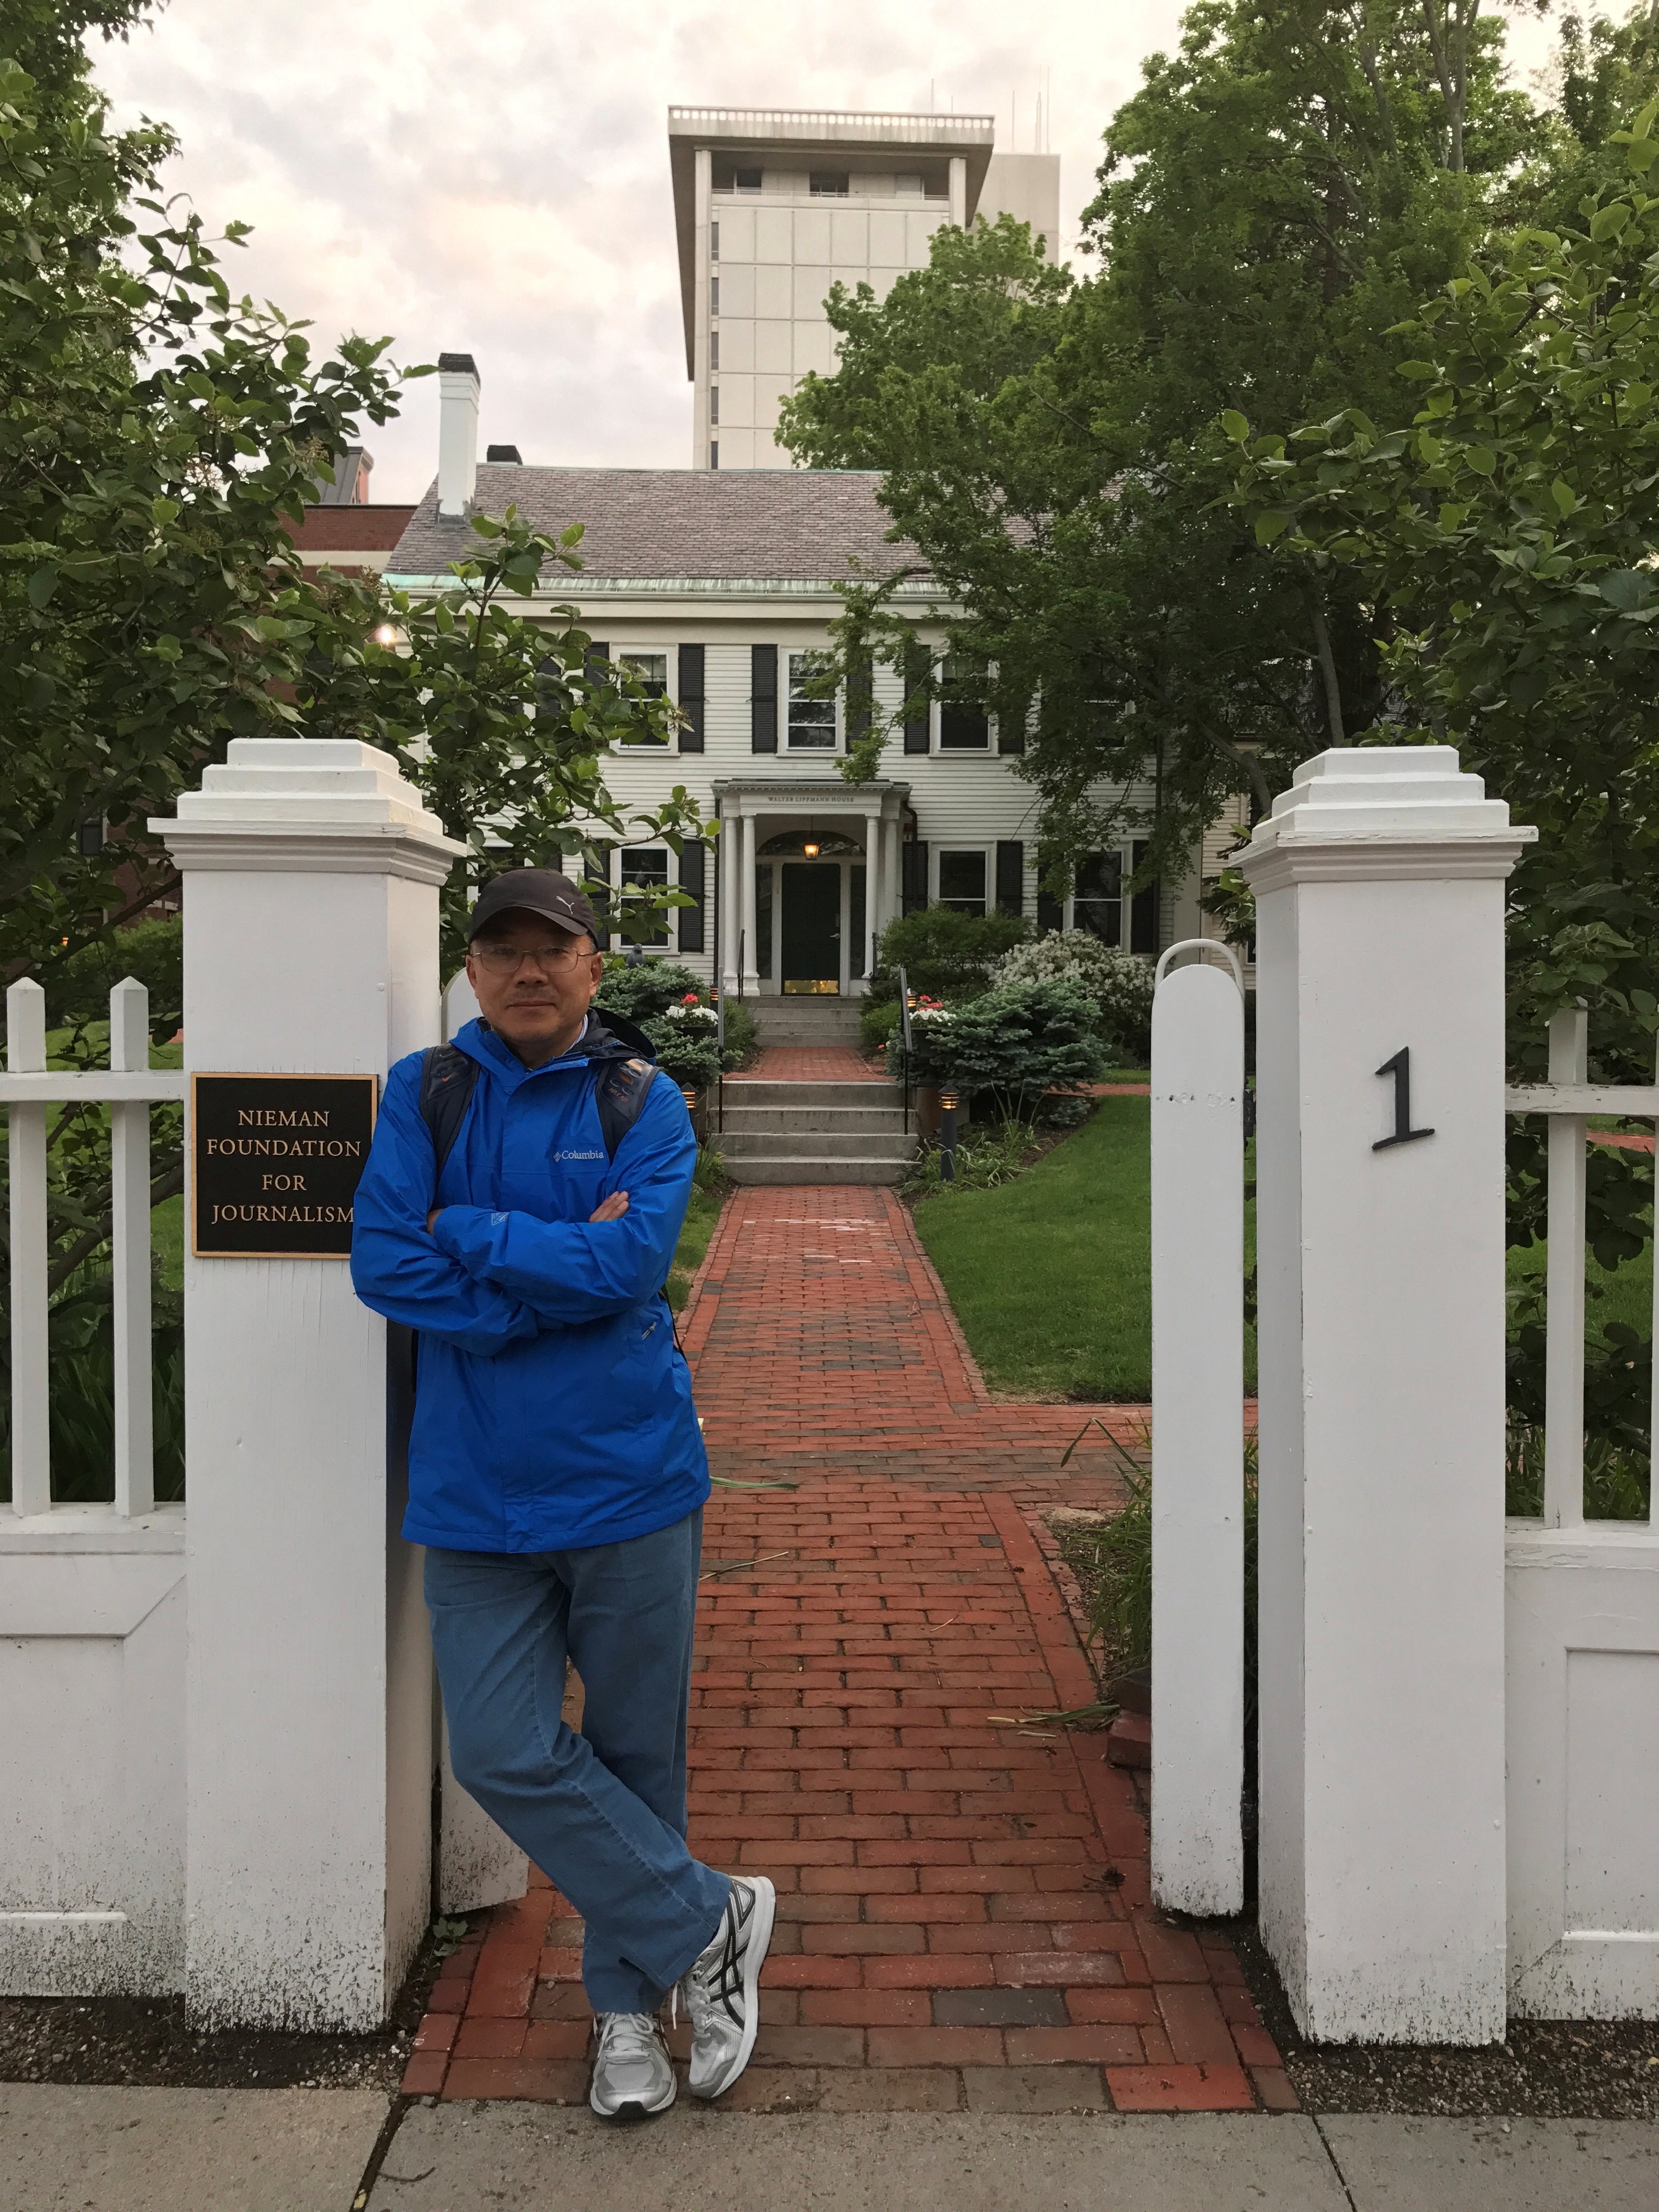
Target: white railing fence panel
28,1090
1569,1099
31,1401
1582,1658
134,1443
1564,1353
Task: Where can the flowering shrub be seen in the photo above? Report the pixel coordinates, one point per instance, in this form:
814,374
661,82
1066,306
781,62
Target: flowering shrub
932,1026
1118,984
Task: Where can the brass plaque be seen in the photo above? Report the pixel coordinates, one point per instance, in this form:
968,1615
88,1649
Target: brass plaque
275,1164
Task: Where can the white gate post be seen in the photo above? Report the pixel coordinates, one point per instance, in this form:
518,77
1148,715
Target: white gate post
311,947
1198,1440
1379,883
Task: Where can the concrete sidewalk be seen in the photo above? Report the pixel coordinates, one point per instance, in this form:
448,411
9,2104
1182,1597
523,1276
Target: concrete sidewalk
295,2150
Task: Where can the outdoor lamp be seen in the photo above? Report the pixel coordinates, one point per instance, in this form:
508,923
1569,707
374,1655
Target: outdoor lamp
689,1095
811,851
947,1101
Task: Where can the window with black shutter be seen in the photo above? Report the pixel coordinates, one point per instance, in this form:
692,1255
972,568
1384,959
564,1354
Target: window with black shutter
861,697
917,667
913,876
764,699
594,870
693,876
1143,911
1011,875
692,697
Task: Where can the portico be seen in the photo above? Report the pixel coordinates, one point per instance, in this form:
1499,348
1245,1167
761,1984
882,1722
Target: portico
811,872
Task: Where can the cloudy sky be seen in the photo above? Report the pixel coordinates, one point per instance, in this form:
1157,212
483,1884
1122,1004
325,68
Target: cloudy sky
493,178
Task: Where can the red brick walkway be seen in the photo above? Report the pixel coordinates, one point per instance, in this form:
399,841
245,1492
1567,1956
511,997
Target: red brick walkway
790,1063
963,1913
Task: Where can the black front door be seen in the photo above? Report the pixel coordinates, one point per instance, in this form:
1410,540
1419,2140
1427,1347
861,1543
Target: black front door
812,928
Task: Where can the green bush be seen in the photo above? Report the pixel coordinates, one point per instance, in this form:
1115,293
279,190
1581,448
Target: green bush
645,990
688,1056
742,1033
152,952
943,953
1010,1048
879,1021
1119,984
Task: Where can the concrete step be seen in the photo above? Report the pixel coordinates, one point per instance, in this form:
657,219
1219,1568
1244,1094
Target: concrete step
826,1143
749,1092
815,1170
812,1117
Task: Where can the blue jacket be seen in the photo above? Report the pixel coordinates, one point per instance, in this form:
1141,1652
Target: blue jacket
552,1407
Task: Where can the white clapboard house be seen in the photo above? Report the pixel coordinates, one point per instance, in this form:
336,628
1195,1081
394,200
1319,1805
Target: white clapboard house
718,585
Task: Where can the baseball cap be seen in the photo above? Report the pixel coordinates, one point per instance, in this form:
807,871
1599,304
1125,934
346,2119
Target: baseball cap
543,891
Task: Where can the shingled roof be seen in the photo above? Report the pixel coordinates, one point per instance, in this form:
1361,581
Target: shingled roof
795,525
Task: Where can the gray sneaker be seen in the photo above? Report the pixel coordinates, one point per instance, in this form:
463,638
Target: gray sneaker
632,2073
722,1990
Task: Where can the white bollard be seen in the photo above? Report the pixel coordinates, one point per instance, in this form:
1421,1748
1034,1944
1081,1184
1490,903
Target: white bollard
1198,1427
1380,890
311,947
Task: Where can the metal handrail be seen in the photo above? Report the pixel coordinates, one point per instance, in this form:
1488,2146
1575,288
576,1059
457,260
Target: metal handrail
904,1041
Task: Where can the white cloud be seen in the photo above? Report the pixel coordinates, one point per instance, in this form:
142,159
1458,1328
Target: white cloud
493,178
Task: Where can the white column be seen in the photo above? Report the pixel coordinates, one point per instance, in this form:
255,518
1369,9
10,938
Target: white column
875,857
1379,882
959,192
746,907
1198,1441
310,946
728,887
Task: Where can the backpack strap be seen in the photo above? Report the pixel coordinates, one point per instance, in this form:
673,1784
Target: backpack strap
448,1078
620,1097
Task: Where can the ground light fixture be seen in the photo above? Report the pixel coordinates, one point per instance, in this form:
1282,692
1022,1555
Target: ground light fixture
948,1103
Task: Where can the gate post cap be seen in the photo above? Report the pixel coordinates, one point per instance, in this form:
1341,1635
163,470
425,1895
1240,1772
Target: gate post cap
1377,811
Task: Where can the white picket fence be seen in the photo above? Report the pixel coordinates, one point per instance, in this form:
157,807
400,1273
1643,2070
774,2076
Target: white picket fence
129,1088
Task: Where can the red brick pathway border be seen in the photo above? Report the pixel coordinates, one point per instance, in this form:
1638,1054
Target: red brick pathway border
964,1913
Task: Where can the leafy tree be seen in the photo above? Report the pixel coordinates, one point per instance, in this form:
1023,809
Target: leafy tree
1505,536
158,436
1278,193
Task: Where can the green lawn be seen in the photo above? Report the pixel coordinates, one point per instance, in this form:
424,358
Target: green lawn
1050,1275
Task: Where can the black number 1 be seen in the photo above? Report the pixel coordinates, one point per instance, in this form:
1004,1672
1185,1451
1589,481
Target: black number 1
1401,1069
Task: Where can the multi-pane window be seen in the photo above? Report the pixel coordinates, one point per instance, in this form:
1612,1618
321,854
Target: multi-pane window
963,725
730,177
714,349
647,867
962,882
1097,904
811,721
714,402
713,241
652,668
834,184
714,295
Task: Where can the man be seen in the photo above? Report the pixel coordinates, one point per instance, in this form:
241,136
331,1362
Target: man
556,1472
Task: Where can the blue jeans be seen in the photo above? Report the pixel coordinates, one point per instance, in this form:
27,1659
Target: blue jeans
602,1813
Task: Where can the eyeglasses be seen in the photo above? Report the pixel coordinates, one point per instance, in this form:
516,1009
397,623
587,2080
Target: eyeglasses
507,959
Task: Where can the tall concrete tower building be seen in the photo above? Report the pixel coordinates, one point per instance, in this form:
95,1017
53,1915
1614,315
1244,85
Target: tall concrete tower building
773,206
